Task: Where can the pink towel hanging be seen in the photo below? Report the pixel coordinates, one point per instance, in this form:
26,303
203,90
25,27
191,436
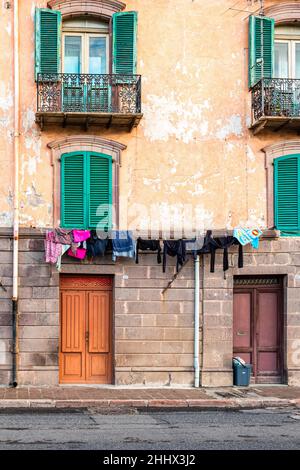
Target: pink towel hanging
80,253
81,235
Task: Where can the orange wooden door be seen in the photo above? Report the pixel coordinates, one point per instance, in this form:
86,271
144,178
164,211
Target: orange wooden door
98,354
86,346
72,362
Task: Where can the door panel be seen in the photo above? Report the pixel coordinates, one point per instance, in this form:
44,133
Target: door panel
242,326
268,319
73,366
242,320
85,353
98,369
97,56
74,94
268,363
99,309
246,356
268,338
72,321
72,335
98,354
73,54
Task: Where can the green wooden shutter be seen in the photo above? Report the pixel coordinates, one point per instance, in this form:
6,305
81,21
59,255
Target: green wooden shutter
261,48
124,42
100,191
73,196
48,25
287,193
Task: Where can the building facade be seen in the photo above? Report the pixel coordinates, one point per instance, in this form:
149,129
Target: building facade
177,116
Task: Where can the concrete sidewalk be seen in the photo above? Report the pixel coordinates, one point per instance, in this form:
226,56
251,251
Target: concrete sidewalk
180,398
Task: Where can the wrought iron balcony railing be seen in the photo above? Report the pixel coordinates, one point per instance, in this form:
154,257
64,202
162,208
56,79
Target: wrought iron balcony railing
85,93
277,99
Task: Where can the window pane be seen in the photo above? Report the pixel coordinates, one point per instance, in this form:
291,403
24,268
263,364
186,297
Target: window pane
297,61
72,62
97,59
281,60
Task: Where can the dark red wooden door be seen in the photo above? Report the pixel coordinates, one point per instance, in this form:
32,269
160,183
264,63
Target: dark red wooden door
257,330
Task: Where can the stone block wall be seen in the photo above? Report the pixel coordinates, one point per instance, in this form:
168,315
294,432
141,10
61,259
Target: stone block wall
5,309
277,257
153,330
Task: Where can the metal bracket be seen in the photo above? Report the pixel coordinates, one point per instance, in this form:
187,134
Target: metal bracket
2,286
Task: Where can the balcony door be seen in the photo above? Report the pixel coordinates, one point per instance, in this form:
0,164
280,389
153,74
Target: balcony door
284,92
287,59
86,61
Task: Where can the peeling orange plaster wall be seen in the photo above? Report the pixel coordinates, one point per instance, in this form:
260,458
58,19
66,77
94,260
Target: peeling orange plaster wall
193,145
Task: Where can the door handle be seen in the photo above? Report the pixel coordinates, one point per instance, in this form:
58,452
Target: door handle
241,333
87,336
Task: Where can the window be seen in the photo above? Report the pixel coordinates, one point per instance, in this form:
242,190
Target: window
281,59
85,46
287,52
81,45
273,52
86,190
287,194
261,48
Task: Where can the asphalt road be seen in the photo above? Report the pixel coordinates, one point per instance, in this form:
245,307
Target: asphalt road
88,429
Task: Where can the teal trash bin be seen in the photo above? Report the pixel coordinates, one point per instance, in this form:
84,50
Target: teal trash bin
241,373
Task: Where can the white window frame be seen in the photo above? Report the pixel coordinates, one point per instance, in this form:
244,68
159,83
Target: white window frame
85,53
291,55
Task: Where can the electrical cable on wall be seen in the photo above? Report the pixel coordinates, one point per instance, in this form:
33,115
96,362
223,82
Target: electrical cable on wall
250,3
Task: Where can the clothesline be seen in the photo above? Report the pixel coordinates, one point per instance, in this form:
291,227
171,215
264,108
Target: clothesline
82,243
179,234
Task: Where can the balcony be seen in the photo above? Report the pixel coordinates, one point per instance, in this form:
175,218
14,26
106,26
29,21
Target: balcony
89,100
276,105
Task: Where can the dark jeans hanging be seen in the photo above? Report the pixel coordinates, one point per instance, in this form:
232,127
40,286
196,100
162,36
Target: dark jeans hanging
174,248
148,245
212,244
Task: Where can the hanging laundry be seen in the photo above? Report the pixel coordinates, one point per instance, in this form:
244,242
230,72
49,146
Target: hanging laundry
52,250
208,241
64,249
174,248
225,243
122,244
209,246
79,254
255,243
241,256
148,245
63,236
193,246
212,244
81,235
245,236
96,246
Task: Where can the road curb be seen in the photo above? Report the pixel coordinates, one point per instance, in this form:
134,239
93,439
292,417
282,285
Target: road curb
192,404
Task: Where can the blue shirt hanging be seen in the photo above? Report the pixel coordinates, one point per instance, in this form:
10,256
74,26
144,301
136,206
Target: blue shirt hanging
123,244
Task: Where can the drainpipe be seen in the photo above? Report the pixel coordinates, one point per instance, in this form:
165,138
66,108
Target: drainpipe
15,297
196,321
